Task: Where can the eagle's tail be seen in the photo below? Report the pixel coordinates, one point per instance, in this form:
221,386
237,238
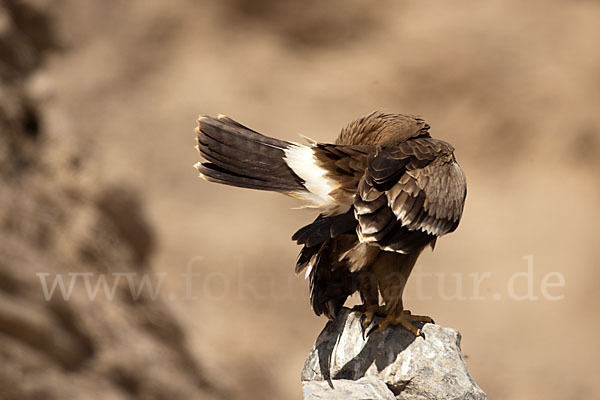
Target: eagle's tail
239,156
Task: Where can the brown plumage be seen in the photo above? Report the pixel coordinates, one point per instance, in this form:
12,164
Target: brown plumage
385,190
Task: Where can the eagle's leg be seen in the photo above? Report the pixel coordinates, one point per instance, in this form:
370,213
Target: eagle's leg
367,287
392,271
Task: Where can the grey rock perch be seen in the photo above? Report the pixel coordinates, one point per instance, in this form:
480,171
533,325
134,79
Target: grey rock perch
392,364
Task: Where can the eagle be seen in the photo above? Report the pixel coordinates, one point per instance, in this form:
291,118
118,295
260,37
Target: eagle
384,191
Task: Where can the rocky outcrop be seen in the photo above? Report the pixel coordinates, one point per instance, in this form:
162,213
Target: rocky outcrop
386,365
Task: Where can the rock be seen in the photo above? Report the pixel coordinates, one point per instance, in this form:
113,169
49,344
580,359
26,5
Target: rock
411,367
363,388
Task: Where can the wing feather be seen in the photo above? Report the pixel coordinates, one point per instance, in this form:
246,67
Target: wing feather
409,195
403,197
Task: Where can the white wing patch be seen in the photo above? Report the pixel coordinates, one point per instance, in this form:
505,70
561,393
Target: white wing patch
301,159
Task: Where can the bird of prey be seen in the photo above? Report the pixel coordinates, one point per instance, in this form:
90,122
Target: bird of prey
384,190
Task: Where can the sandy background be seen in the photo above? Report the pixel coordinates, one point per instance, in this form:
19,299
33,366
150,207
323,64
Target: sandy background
514,86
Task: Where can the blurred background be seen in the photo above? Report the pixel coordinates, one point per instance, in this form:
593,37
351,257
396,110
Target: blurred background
98,103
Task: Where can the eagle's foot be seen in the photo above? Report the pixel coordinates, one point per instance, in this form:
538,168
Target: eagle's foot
369,312
406,319
419,318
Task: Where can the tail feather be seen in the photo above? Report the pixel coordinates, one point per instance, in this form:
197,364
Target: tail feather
216,174
228,156
238,156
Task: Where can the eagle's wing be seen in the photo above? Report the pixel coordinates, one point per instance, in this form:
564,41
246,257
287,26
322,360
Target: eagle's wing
398,199
409,195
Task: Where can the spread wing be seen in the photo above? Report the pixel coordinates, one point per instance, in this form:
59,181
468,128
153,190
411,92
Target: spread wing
409,195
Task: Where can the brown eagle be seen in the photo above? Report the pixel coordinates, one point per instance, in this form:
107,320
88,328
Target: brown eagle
385,190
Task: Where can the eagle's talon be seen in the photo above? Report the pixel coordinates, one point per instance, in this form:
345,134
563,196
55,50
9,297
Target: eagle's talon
363,326
369,313
374,328
367,325
362,318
